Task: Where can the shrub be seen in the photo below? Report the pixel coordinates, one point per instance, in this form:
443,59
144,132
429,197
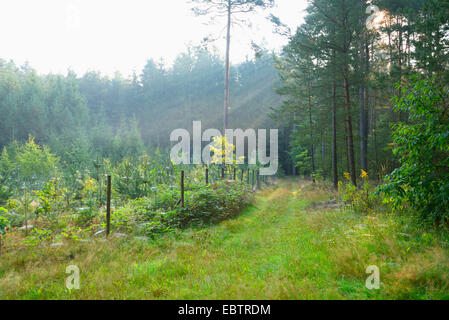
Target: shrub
5,194
204,205
3,221
37,236
28,164
49,197
86,215
422,146
361,199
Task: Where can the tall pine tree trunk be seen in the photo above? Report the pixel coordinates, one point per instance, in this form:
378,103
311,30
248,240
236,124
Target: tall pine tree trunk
367,104
349,133
228,45
312,145
363,122
294,130
334,131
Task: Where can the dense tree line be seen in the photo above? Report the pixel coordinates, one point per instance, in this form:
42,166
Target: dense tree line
89,117
339,74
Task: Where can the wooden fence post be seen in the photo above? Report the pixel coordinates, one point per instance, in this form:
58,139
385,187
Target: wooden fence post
108,208
182,188
222,173
207,175
252,179
26,211
234,174
241,176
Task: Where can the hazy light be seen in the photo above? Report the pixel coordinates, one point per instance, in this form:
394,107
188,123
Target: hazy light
120,35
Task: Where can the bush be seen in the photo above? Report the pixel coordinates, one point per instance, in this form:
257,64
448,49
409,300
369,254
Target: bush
422,145
361,199
5,194
49,198
28,165
3,220
84,216
204,205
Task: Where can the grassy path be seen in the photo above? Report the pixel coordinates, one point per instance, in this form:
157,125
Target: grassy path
277,249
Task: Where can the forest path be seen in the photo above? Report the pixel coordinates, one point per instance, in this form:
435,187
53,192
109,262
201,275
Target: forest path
266,253
274,250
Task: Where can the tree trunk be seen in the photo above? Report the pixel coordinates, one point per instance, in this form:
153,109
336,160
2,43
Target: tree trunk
294,130
346,146
349,133
363,131
367,104
312,146
323,151
334,132
374,142
228,45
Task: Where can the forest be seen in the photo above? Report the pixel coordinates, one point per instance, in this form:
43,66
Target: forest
377,100
360,98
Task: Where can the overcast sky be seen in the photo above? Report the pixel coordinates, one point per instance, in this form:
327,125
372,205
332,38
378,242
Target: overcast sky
121,35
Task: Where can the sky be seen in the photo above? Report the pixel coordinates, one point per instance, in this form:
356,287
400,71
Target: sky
121,35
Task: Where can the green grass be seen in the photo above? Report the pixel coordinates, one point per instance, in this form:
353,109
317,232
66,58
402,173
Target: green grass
277,249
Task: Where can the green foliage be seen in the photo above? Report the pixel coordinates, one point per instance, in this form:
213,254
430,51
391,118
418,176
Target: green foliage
432,23
361,200
204,205
5,194
37,236
133,178
28,164
302,159
3,220
220,202
334,247
34,161
85,215
422,146
49,197
82,117
128,141
318,175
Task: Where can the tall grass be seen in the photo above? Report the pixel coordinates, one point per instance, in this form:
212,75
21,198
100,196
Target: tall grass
279,248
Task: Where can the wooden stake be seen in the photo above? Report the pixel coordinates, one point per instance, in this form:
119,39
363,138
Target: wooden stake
207,175
182,188
108,208
26,212
252,178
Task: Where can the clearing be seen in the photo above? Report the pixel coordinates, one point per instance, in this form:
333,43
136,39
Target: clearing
280,248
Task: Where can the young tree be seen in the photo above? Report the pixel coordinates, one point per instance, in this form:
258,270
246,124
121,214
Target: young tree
422,146
229,9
